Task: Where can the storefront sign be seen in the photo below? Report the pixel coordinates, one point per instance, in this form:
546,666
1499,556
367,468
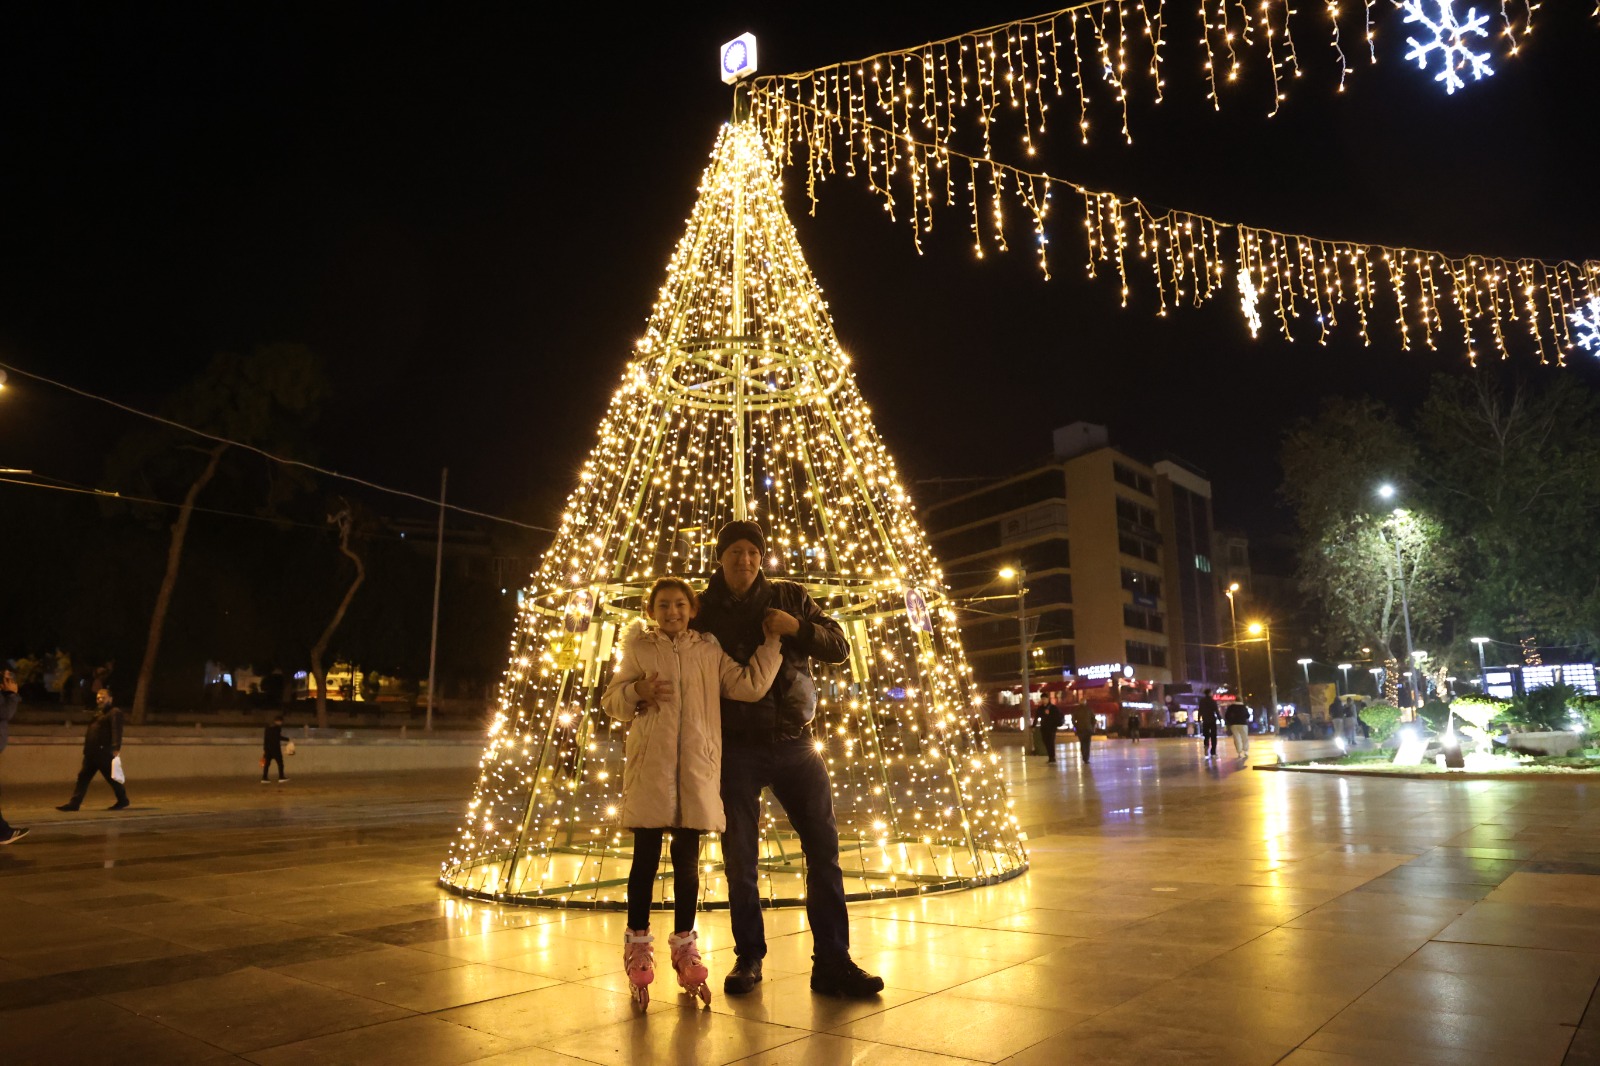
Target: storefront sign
1105,670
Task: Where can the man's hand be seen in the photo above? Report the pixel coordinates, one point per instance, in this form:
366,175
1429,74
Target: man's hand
653,689
776,623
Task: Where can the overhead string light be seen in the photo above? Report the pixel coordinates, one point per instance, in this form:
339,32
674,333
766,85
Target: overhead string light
1097,55
738,402
1487,302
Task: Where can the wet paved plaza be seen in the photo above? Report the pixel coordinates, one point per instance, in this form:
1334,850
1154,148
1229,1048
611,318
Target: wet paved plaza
1174,912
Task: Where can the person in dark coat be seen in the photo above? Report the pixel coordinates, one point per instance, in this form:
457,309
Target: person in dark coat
1237,718
102,742
766,744
9,698
1083,725
1209,716
1050,719
272,749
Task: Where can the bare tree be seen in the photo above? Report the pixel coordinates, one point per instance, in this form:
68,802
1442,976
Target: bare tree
344,520
158,615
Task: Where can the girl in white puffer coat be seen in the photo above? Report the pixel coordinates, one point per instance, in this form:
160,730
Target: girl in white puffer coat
668,686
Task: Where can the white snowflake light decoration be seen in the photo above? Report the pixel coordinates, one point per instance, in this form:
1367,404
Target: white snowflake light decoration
1588,323
1450,40
1247,300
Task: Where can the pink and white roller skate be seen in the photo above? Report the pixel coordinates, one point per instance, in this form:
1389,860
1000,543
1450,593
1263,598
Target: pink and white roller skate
639,963
692,973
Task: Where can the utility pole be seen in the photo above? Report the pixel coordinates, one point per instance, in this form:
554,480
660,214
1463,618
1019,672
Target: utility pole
438,569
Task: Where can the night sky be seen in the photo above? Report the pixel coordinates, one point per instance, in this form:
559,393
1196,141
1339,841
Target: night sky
466,210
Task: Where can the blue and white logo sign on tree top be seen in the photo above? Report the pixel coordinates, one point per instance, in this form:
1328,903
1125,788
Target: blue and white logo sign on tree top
739,58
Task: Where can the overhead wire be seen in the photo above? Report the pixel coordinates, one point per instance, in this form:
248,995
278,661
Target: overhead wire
313,468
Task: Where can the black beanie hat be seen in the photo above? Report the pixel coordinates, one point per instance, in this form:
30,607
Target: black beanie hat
740,530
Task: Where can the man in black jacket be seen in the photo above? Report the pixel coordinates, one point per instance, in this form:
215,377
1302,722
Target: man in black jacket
102,742
1209,713
765,744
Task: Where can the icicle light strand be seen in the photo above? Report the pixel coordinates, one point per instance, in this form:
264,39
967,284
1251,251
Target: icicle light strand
1499,304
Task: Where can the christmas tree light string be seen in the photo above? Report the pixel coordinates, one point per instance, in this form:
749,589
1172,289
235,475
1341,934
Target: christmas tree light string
739,402
1551,305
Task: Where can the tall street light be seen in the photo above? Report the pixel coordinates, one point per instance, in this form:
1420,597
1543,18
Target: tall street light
1344,668
1483,673
1387,492
1019,573
1233,619
1256,629
1377,681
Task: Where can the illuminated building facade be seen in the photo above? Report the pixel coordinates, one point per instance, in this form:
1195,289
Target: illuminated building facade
1120,578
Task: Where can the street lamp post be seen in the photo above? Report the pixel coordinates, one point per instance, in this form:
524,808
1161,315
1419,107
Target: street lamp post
1305,666
1233,620
1020,574
1483,673
1377,681
1387,491
1260,628
1344,668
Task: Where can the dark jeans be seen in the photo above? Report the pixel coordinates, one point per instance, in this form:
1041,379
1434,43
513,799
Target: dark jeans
685,876
1209,733
1085,739
96,762
269,756
798,777
1048,732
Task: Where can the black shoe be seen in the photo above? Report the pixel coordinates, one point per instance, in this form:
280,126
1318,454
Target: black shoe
67,807
844,979
117,806
744,976
13,836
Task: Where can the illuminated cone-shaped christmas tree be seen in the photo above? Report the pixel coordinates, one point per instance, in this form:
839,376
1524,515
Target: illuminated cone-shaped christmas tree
739,403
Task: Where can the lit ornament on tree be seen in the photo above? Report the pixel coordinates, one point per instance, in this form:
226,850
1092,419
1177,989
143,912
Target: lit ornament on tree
739,403
1587,321
1450,40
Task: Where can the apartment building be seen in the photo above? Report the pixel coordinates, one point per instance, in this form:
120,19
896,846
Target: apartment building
1116,554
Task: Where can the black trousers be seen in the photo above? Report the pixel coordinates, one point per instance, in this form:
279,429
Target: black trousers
1048,734
1209,733
685,876
798,777
1085,739
268,756
96,762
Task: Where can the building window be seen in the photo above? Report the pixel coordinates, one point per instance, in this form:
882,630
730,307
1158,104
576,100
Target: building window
1140,583
1146,654
1138,618
1133,479
1202,563
1138,547
1135,515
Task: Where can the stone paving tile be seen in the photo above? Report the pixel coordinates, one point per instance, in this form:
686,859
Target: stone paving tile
1240,917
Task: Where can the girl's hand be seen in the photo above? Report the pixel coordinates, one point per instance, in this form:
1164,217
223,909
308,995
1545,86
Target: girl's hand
653,689
776,623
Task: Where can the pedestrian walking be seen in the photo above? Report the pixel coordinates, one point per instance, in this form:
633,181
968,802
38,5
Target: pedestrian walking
1050,719
9,698
272,749
102,745
1209,716
1134,726
668,687
1083,725
1237,717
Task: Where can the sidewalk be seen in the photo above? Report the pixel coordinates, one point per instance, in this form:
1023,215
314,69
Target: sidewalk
1174,912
